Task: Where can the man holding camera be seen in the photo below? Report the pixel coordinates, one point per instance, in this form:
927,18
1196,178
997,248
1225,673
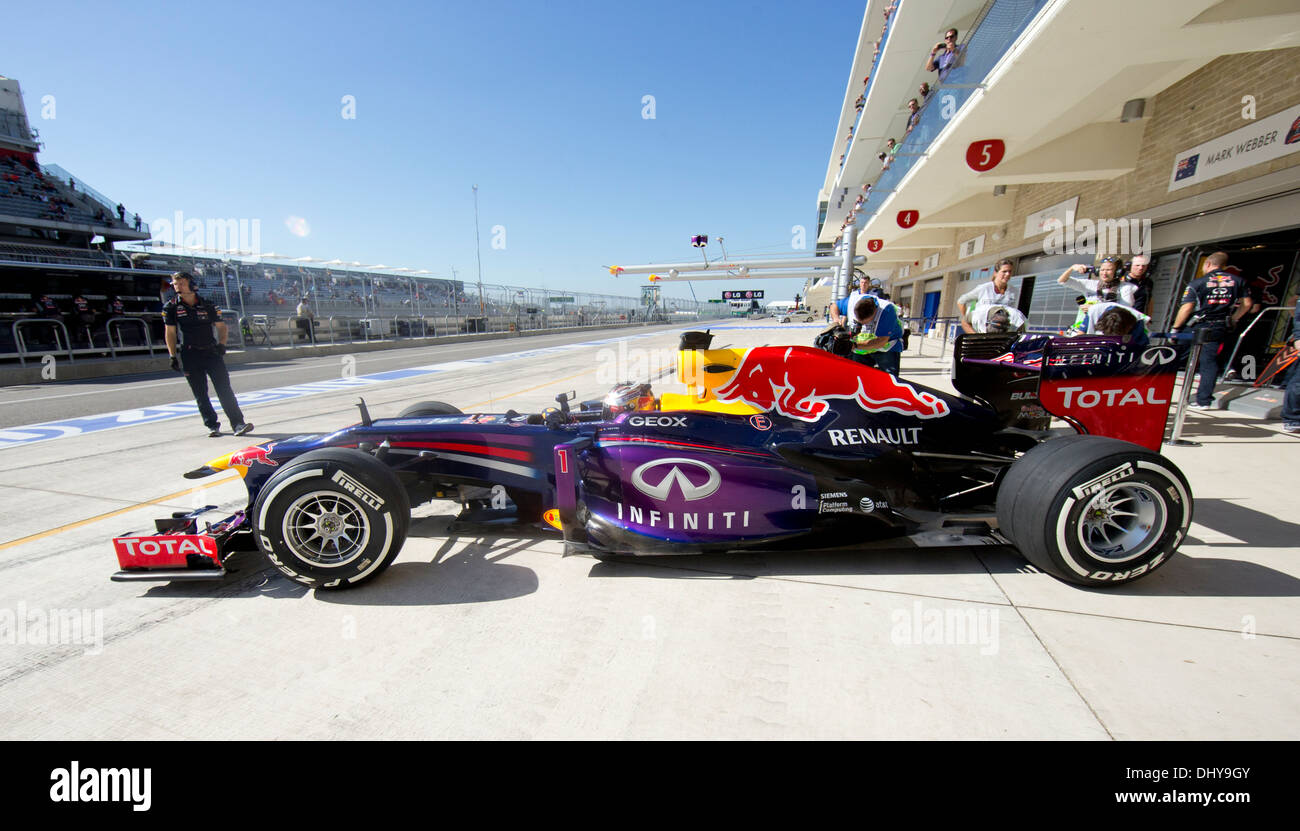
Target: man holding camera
1107,271
190,323
944,55
1212,297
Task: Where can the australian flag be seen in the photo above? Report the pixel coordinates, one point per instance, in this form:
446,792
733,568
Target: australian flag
1186,167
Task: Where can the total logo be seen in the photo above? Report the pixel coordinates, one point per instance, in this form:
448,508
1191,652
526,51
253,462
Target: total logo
654,481
156,546
1092,398
657,421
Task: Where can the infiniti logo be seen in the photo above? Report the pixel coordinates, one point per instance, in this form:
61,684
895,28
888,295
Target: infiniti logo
1161,354
690,491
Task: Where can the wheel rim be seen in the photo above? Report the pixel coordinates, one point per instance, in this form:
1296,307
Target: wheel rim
1122,521
326,528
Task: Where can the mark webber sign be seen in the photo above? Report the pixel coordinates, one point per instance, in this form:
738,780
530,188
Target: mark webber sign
1262,141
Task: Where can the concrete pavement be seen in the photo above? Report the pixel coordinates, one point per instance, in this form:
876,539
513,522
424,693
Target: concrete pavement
503,637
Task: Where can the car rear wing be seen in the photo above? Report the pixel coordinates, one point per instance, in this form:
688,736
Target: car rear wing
1100,385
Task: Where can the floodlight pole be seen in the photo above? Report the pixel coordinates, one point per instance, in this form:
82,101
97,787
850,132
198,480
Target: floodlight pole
478,253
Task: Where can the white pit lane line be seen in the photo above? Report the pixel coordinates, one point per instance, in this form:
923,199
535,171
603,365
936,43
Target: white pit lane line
29,434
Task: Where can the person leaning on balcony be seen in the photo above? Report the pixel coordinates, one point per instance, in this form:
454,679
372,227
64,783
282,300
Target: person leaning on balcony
944,55
913,113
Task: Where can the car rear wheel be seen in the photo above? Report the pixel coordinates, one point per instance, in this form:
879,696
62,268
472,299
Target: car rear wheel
1094,511
428,408
332,518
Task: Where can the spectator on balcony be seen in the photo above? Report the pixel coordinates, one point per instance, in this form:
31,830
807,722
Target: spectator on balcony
944,55
138,223
913,113
121,212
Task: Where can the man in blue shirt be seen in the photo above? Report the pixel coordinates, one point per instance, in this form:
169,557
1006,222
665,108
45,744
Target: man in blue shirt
945,55
877,334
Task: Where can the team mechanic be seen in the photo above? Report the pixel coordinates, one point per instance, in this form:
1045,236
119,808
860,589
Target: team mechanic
190,321
1212,297
877,334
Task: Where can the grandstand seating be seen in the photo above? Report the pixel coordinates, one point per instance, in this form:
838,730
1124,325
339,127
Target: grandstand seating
27,192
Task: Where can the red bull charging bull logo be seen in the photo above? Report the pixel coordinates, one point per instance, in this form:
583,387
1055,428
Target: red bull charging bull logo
249,456
798,382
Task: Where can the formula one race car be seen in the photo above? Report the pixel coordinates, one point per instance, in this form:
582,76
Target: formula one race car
775,447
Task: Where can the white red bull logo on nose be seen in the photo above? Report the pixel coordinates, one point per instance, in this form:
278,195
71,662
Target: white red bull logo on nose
798,382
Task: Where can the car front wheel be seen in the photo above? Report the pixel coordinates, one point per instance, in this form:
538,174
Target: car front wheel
332,518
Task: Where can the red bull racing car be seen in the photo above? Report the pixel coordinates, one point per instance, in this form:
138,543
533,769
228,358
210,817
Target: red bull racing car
775,447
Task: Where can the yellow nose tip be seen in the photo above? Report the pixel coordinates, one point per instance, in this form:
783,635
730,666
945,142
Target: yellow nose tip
552,518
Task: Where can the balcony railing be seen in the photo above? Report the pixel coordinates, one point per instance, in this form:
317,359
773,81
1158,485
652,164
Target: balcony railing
988,42
871,76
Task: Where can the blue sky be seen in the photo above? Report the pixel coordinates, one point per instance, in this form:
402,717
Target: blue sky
235,110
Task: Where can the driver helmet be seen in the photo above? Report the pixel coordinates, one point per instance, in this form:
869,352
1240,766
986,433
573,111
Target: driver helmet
626,398
998,320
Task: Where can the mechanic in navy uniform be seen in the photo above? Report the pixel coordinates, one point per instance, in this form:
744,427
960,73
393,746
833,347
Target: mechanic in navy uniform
44,307
83,318
190,322
1291,398
1212,297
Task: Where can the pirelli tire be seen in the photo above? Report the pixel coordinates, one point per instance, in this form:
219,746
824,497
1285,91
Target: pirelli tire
428,408
332,518
1094,511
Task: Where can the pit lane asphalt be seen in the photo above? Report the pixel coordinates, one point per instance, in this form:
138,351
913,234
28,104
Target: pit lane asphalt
33,403
491,632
